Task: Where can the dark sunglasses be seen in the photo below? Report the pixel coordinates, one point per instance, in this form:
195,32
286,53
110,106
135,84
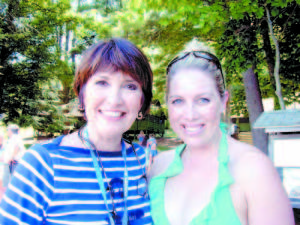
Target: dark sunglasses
142,189
197,54
115,189
141,184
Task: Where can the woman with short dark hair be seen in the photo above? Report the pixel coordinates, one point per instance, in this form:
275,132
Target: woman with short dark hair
91,176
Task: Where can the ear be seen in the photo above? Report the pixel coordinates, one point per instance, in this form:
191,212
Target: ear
224,100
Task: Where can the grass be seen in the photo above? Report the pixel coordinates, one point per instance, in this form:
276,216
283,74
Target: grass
169,133
162,148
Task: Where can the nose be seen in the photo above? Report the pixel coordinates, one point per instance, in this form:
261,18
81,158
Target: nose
114,97
190,112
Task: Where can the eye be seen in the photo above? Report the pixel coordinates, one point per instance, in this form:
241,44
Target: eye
132,87
176,101
102,83
203,100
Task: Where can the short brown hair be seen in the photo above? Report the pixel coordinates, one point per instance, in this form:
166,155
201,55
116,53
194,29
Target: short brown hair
116,55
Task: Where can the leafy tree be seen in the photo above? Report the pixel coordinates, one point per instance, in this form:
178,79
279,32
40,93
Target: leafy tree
24,54
34,46
238,30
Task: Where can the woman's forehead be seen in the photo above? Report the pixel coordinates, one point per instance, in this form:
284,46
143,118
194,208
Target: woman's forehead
111,73
192,76
192,81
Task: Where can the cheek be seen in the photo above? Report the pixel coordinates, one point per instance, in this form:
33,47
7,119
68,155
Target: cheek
88,100
174,113
213,112
141,102
134,101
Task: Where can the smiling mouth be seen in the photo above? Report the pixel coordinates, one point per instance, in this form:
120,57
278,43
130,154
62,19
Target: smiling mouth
195,129
112,114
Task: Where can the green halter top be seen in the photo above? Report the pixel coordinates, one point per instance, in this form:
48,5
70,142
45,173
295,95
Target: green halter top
219,211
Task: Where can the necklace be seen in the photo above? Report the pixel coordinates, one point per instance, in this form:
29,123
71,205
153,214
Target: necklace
84,137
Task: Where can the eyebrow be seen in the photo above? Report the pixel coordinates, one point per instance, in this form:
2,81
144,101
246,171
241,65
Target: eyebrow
197,96
108,78
175,96
130,80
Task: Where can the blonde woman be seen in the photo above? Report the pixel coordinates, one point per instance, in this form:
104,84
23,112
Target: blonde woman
211,179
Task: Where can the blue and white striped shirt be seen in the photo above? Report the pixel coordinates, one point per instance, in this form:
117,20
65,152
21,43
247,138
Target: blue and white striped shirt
58,185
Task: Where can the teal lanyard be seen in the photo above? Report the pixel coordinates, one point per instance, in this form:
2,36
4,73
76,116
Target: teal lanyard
100,178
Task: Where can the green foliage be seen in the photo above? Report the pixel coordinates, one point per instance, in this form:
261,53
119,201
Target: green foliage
25,43
34,33
33,37
235,27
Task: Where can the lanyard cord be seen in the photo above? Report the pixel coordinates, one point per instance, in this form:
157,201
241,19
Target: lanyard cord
91,146
143,170
125,191
133,148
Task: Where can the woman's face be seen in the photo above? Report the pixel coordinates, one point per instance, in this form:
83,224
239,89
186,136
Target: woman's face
195,106
112,102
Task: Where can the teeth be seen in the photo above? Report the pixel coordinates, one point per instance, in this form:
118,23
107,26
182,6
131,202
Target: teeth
192,129
112,114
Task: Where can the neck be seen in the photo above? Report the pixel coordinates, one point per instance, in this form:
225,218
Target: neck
102,142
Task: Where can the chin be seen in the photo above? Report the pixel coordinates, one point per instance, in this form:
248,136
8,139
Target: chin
114,131
195,140
198,144
108,129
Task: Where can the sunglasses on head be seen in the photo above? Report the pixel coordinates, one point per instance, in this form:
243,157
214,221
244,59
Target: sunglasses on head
197,54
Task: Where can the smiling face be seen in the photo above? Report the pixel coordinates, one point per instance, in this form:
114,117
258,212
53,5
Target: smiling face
112,102
195,106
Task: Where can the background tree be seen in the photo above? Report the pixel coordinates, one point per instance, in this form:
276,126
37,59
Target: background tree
44,39
23,56
234,28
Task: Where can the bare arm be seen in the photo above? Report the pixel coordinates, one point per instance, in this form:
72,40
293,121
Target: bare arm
266,198
10,151
150,161
15,152
153,146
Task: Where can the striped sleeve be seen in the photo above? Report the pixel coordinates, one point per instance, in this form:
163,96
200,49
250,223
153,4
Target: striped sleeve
30,190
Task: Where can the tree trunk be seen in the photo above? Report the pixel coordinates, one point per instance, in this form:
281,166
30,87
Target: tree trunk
73,54
277,61
255,108
267,47
67,42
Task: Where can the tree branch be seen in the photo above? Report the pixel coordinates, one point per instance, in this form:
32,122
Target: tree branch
289,19
277,61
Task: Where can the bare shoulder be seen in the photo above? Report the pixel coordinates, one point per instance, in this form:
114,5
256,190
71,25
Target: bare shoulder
71,140
255,173
161,163
249,160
